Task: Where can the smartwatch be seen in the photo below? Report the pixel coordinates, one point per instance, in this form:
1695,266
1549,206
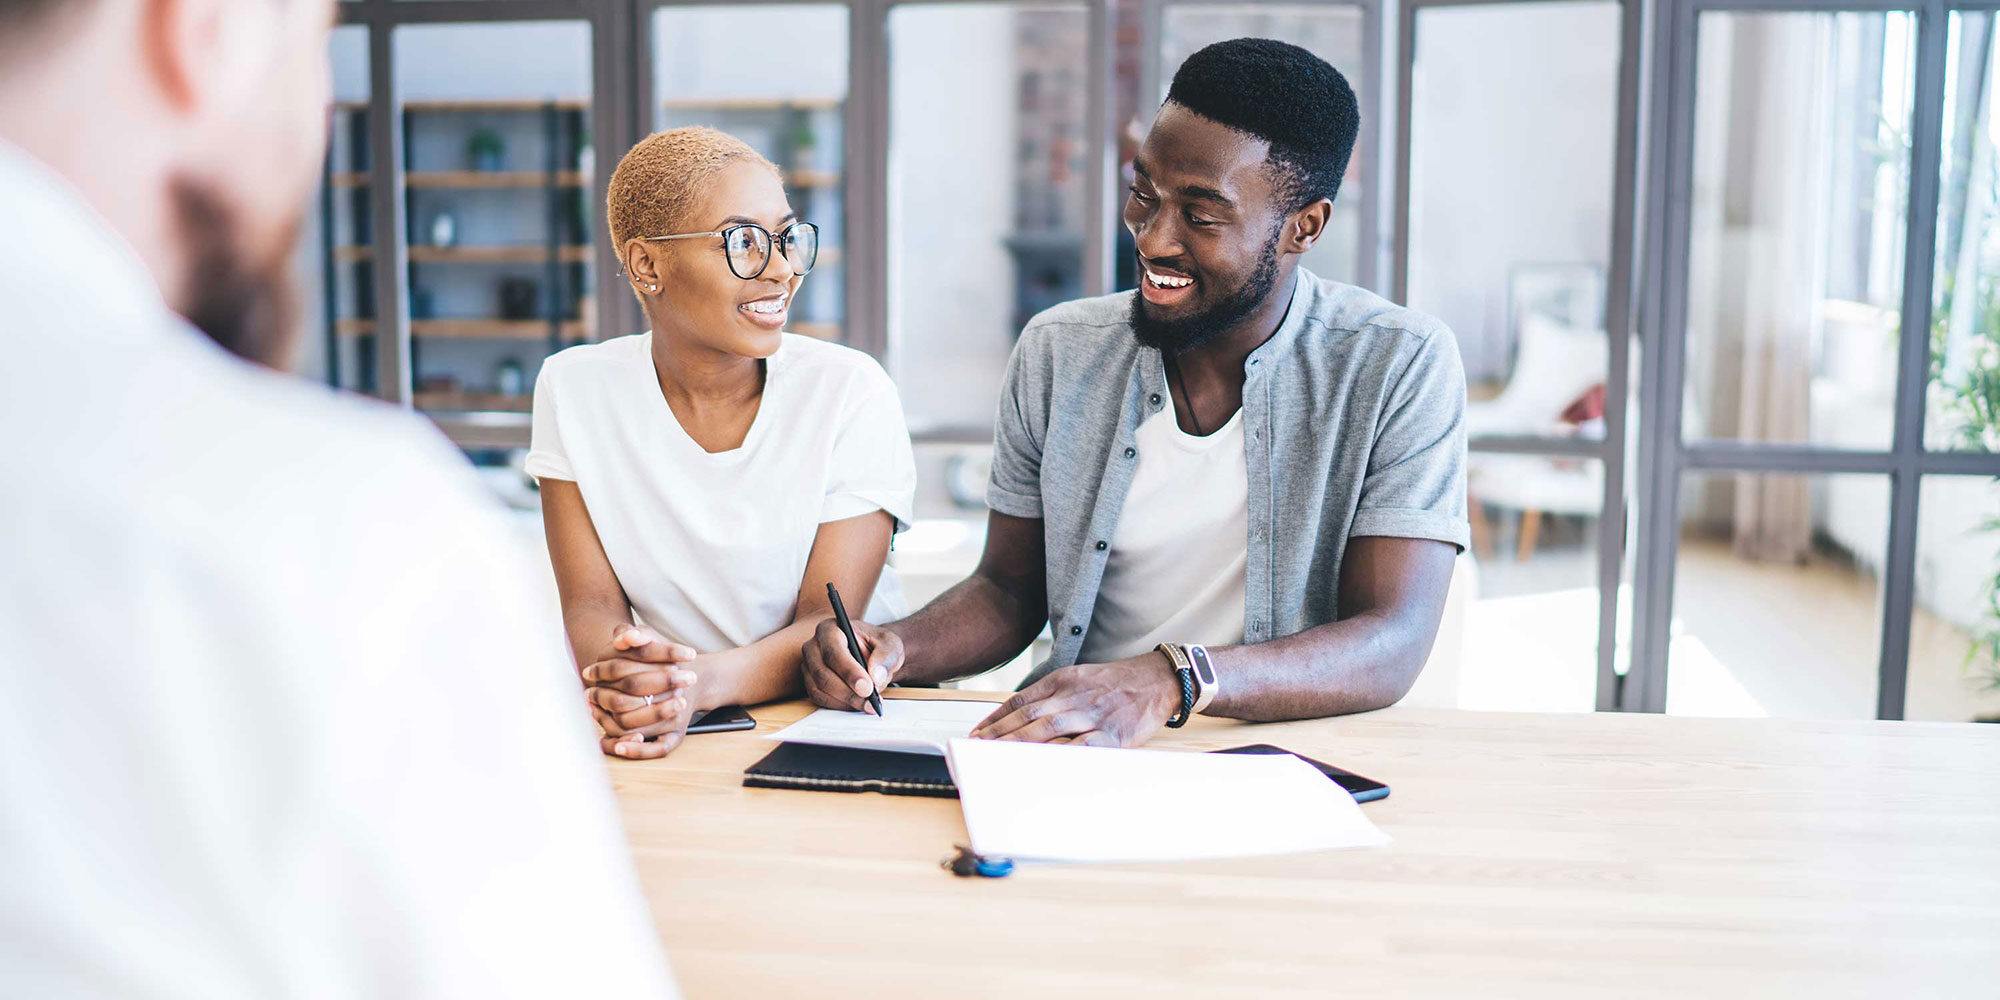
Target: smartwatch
1205,684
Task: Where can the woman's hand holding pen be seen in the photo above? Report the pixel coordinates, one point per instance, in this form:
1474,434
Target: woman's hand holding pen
639,694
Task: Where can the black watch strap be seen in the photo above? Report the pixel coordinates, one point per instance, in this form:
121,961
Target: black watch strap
1179,718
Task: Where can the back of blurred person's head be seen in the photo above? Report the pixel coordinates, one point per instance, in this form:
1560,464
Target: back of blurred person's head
195,128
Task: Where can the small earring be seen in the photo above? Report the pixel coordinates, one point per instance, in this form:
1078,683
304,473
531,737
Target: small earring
652,288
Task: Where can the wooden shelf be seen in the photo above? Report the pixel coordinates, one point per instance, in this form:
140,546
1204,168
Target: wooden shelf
468,179
490,179
470,329
492,329
472,106
458,400
817,331
751,103
526,253
813,178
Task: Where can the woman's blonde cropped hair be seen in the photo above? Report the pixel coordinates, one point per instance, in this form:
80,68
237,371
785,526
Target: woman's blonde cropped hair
656,184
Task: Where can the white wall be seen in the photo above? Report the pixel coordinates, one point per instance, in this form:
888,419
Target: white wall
1514,117
951,205
533,60
779,51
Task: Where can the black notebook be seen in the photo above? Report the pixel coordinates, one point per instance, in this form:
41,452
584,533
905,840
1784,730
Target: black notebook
844,769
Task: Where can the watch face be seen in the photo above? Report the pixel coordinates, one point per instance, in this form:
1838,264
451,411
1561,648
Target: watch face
1203,670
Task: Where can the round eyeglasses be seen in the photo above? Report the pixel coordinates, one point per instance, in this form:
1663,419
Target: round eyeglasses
747,247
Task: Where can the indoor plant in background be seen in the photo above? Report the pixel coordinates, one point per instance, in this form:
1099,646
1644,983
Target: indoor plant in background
805,144
1974,402
1970,403
485,150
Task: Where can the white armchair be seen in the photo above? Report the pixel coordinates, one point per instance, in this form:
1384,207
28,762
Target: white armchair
1555,365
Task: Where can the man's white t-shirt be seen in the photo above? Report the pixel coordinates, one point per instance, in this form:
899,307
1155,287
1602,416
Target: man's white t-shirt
711,547
282,713
1174,569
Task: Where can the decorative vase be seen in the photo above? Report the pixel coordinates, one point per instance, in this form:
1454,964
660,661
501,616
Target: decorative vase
444,229
510,378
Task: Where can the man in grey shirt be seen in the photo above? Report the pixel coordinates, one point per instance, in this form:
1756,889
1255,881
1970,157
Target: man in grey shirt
1239,455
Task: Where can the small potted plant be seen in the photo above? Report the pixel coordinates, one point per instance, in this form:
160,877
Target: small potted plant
805,145
485,150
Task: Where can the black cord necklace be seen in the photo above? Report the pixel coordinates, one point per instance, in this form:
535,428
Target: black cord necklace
1174,370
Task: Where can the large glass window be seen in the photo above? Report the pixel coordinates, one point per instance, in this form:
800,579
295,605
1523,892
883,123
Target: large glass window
498,170
1964,376
791,110
1777,604
986,192
1795,262
1332,32
1513,138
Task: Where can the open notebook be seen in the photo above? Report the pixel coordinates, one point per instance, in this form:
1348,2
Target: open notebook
900,752
908,725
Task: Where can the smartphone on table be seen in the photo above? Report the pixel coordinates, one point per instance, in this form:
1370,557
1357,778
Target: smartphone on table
1363,789
727,719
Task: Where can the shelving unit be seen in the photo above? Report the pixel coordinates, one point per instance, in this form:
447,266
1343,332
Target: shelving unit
497,205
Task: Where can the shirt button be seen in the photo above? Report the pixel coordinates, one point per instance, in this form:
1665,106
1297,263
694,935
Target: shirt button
1101,546
1131,453
1156,399
1076,630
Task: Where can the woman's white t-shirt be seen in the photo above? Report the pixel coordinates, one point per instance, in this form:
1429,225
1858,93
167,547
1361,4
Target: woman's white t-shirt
711,548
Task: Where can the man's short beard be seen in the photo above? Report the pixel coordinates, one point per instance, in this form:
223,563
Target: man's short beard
248,306
1174,337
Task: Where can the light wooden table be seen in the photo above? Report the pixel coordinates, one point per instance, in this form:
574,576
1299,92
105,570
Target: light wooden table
1535,855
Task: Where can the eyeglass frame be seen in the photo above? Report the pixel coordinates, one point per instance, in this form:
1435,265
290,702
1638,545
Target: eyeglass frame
769,236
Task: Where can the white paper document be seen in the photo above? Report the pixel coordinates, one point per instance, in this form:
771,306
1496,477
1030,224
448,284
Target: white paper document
909,725
1055,802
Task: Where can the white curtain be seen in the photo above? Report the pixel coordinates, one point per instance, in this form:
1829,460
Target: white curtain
1784,76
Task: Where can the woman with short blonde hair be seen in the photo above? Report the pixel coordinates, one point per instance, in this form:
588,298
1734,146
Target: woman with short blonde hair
704,481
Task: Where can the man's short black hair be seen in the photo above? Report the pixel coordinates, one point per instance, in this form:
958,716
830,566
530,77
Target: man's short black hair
1284,95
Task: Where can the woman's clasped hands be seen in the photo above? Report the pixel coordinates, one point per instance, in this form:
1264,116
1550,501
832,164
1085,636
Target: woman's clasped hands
640,693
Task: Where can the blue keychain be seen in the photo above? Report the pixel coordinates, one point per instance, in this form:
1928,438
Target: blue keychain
966,864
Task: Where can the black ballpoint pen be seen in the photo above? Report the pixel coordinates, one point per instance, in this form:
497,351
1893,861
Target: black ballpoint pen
853,645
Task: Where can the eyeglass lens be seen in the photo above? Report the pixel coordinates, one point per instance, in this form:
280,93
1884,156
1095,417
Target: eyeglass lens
749,248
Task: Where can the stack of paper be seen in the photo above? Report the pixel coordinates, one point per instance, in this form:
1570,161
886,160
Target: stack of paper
909,725
1044,802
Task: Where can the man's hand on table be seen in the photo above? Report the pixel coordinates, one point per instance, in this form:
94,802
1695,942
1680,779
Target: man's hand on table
1119,704
639,694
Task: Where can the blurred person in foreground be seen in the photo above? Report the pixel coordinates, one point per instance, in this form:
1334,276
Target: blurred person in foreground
280,713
